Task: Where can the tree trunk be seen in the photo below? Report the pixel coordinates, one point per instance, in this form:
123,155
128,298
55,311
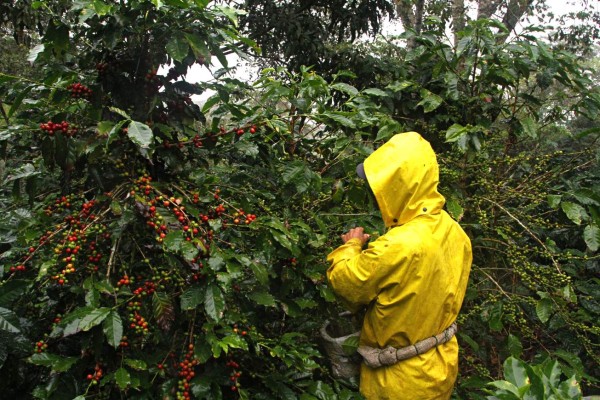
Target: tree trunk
514,12
486,8
458,18
411,14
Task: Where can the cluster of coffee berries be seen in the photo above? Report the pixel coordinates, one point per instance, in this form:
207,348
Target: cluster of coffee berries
179,104
96,376
102,68
79,90
240,330
138,323
58,127
190,226
160,116
167,145
151,75
19,268
143,185
248,218
241,131
96,255
86,209
124,281
197,277
40,346
134,307
74,246
186,373
124,343
60,204
146,289
234,374
197,141
153,82
173,74
69,245
220,209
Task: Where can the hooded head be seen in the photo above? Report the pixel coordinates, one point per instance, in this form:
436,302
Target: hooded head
404,174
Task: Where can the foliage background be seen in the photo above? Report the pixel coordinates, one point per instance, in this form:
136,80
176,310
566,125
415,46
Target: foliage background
199,231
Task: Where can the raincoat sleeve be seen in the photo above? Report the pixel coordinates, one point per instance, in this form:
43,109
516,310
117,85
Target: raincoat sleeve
356,275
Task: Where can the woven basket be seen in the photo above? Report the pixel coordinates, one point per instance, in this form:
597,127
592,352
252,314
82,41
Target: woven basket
334,333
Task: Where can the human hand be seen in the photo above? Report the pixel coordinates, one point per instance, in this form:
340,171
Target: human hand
357,233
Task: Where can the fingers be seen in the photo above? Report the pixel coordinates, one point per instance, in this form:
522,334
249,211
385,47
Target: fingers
357,233
358,230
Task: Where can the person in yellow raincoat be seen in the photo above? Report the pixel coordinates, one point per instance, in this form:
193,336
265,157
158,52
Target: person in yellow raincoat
412,279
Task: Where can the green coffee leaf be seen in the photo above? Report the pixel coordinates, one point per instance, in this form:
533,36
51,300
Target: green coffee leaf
574,212
514,346
430,101
163,310
454,208
455,132
192,298
263,298
139,365
197,44
340,118
122,378
113,328
345,88
513,391
235,342
57,363
214,302
376,92
177,47
260,272
351,344
515,372
529,127
9,321
94,318
140,134
553,200
11,290
543,309
591,236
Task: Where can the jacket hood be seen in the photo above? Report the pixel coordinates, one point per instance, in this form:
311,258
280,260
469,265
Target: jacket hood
404,174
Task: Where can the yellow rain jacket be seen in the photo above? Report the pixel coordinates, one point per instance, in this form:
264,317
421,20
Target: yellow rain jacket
412,279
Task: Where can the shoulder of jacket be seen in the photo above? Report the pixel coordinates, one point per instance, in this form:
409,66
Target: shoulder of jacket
401,238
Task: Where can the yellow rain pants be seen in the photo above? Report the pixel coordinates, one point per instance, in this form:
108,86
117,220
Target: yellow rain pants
412,279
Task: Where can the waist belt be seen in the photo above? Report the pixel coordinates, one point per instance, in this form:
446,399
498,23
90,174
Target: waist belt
376,358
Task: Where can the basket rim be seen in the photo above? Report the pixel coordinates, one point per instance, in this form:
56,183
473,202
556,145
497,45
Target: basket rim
325,335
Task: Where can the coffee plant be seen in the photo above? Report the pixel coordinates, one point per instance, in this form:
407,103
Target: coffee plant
150,247
157,248
541,381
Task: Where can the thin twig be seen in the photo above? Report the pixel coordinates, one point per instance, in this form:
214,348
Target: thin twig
113,250
554,262
493,281
4,113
